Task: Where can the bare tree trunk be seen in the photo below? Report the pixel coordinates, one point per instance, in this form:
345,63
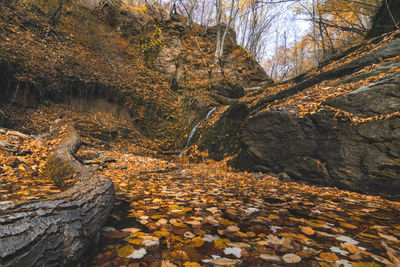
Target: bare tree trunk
55,17
218,5
57,231
219,51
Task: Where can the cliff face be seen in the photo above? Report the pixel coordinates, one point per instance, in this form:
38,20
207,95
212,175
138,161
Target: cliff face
338,125
162,72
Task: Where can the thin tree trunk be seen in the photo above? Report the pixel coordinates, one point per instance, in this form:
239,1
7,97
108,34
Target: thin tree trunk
218,5
55,17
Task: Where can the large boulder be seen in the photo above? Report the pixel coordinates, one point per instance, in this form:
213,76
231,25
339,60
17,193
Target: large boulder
322,149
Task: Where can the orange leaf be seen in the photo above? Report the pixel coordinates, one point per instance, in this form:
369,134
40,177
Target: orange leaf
330,257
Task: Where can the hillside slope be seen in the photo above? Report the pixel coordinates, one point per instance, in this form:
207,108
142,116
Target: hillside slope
160,76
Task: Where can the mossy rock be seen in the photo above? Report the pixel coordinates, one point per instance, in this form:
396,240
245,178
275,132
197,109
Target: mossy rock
224,137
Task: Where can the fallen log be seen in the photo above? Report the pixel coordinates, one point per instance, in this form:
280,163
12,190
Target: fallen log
57,231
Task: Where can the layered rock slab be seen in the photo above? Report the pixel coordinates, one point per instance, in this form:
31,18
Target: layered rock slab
322,149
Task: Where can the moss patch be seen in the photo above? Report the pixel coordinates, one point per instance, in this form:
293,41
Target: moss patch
224,137
59,171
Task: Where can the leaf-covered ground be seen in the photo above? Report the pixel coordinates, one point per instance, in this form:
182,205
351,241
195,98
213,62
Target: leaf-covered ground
22,162
173,212
179,214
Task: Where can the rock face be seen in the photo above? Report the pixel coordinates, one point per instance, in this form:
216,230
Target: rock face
326,151
191,65
322,148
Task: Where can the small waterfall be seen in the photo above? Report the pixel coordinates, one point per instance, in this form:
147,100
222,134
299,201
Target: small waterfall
194,131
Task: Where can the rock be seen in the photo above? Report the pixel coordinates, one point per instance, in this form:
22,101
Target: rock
318,148
123,167
227,89
166,61
283,176
381,97
322,150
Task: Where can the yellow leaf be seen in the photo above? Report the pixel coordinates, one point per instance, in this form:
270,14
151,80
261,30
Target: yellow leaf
369,235
226,222
347,225
191,264
352,248
134,241
20,167
125,251
221,243
307,230
241,234
199,232
161,233
273,217
330,257
299,237
197,242
295,219
158,216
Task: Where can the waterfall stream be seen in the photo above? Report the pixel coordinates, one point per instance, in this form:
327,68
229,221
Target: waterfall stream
194,131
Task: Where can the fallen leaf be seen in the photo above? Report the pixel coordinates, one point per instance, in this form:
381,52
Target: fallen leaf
225,262
237,252
197,242
221,243
138,254
189,235
125,251
329,257
352,248
233,228
131,230
291,258
268,257
388,237
191,264
307,230
167,264
273,217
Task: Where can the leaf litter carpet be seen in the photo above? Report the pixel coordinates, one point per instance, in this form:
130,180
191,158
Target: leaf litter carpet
178,214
